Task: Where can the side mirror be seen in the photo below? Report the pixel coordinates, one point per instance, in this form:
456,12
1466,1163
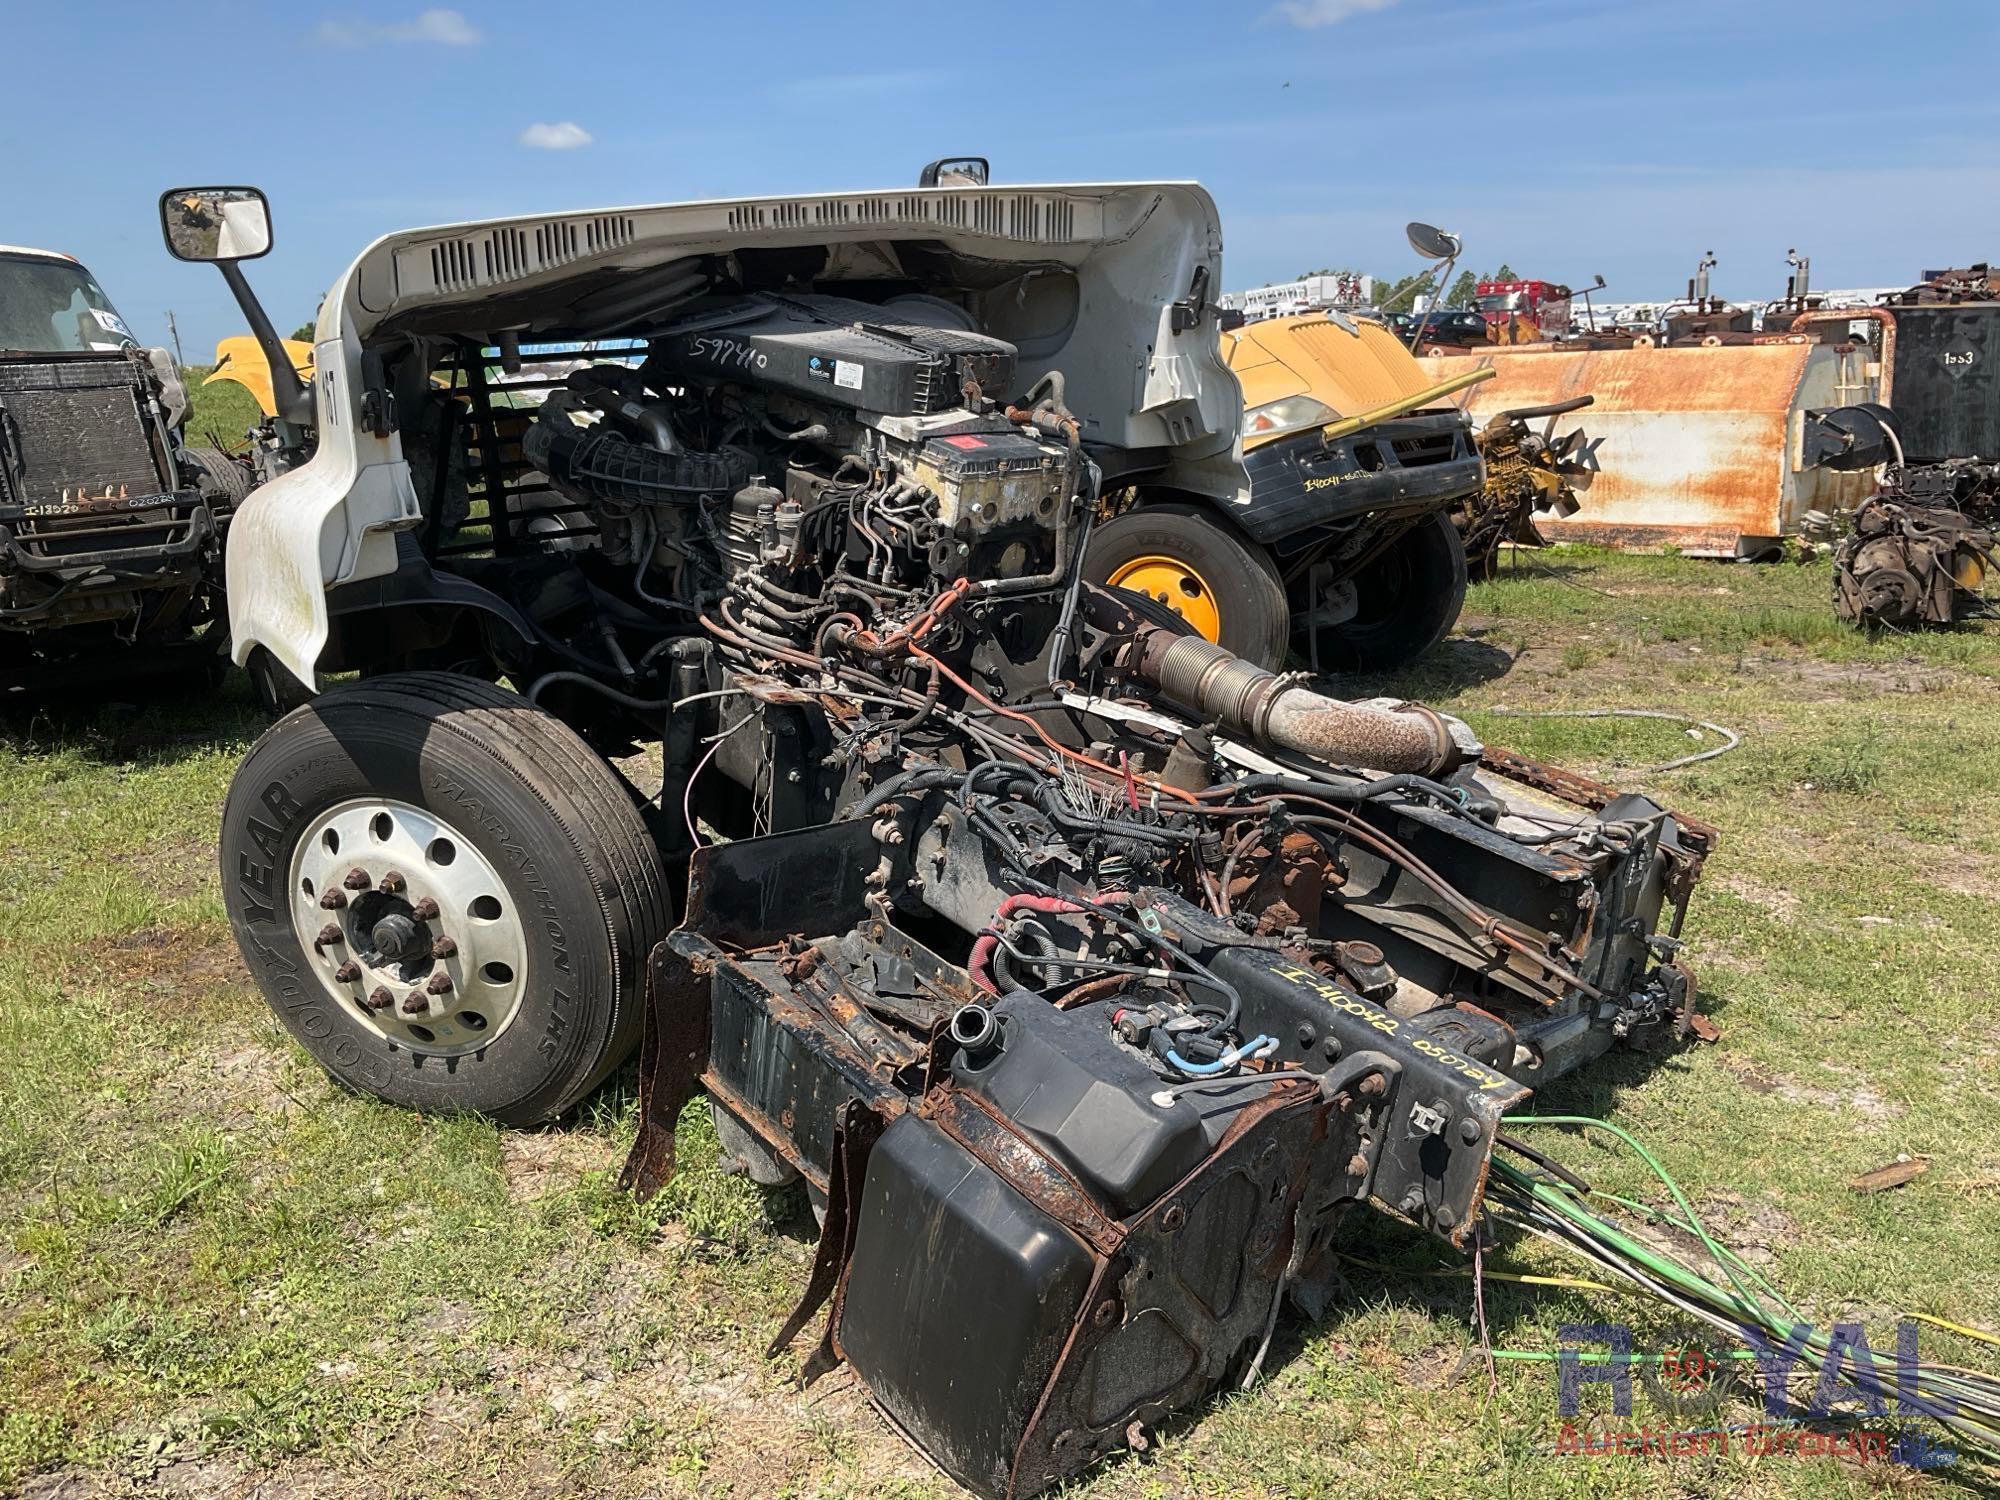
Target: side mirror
215,224
1431,242
956,171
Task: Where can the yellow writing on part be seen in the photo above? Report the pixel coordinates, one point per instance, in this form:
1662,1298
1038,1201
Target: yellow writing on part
1326,481
1380,1020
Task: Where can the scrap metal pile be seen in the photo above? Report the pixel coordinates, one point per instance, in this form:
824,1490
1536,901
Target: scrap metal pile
1920,549
1526,473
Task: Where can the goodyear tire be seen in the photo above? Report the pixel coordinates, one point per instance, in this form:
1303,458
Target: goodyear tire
444,895
1408,599
1186,558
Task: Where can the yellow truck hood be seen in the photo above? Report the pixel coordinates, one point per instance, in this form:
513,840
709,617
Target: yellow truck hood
1352,365
239,359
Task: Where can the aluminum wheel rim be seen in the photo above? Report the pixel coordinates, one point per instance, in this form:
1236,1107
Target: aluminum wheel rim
408,926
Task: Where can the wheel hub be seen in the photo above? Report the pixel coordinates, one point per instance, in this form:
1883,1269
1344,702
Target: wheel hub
408,926
1175,584
399,938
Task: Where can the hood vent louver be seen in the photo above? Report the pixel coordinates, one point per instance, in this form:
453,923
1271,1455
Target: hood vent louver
511,252
469,261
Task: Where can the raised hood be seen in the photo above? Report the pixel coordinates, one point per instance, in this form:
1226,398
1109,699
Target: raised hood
1082,278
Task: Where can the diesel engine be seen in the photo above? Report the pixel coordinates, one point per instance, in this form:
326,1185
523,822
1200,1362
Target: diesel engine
791,455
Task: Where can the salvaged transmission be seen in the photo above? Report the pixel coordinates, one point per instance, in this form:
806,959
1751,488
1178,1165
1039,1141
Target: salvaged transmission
1084,972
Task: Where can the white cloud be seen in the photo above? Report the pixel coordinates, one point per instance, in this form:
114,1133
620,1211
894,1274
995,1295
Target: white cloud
563,135
445,28
1309,14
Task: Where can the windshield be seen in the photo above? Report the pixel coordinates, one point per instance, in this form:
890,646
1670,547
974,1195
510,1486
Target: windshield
55,307
1504,302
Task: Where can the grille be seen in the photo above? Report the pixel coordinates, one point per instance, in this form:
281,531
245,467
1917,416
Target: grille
1432,448
75,429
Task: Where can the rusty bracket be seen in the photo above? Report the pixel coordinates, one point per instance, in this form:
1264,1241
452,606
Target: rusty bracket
970,1121
855,1133
672,1054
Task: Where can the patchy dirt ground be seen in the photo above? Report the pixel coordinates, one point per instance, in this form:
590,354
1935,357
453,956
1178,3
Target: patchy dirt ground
222,1277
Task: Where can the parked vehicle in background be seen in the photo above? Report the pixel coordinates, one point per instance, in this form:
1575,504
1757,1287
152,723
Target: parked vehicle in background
1343,549
240,360
1523,311
1452,326
111,527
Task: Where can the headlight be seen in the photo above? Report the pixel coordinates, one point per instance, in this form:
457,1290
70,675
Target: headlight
1288,415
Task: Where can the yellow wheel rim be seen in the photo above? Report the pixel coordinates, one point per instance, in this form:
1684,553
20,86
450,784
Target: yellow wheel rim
1173,583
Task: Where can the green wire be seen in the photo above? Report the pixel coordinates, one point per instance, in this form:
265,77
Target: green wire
1588,1122
1614,1244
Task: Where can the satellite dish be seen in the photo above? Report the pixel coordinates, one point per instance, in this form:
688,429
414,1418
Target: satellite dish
1431,242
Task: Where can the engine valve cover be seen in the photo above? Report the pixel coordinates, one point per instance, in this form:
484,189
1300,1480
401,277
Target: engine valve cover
850,354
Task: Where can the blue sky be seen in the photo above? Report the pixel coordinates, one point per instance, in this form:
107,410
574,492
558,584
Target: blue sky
1563,136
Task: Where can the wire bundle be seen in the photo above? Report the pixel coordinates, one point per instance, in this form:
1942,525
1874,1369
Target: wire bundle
1556,1206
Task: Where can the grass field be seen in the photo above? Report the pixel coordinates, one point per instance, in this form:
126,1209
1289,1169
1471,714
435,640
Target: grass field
219,414
221,1276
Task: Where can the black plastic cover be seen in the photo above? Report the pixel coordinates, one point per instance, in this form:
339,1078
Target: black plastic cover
1061,1081
959,1298
834,350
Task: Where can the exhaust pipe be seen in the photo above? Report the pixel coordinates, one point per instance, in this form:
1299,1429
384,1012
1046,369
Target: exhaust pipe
1277,712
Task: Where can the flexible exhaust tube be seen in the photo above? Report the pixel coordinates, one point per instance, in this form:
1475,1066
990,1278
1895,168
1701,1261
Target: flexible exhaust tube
1276,712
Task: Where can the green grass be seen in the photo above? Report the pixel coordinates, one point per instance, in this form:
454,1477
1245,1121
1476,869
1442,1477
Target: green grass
218,1271
219,414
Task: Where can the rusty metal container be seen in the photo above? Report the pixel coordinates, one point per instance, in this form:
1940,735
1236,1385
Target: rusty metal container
1699,447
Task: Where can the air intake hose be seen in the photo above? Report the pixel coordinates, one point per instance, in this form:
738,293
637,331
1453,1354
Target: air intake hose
601,463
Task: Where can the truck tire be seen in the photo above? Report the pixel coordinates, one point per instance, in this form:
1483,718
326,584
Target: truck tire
1187,558
1407,600
278,691
219,476
502,974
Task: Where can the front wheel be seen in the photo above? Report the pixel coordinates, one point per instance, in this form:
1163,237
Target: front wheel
445,895
1187,558
1406,600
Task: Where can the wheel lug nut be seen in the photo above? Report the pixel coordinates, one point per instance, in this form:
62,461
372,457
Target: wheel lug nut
356,879
333,901
331,933
444,947
392,882
379,998
348,972
440,983
414,1003
425,910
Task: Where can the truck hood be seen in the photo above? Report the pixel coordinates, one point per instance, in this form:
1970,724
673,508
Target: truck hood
1082,278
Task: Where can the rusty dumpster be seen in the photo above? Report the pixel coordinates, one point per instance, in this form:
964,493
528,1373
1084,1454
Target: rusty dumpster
1698,447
